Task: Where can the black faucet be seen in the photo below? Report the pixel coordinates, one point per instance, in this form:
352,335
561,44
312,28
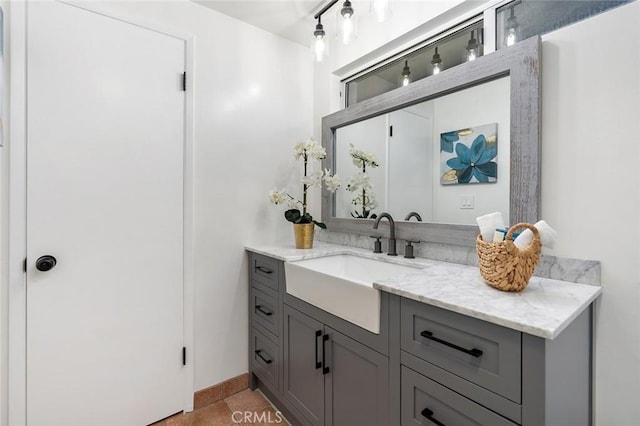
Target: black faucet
413,214
392,232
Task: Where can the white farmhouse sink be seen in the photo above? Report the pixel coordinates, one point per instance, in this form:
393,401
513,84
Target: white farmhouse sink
343,285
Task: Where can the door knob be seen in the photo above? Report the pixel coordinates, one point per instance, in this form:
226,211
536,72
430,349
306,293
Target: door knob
45,263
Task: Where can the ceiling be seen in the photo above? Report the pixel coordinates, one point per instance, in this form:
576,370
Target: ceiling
291,19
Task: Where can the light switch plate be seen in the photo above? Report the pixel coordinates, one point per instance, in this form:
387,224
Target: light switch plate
466,201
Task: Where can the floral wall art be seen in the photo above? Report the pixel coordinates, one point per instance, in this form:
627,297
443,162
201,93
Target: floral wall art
469,155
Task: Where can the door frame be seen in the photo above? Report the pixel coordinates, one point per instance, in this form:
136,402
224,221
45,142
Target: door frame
17,212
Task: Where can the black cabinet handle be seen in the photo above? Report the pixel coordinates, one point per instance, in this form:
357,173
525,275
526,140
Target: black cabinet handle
259,353
473,352
429,415
318,363
264,270
325,369
267,313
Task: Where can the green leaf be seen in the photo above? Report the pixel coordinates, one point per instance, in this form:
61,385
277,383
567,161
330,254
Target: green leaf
320,224
293,215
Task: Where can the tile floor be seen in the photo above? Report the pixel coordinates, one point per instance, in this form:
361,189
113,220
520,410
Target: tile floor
243,408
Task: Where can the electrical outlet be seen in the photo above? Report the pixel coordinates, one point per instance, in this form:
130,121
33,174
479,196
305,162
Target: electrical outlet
466,201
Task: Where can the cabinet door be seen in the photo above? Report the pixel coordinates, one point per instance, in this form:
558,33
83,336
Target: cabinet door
303,378
357,384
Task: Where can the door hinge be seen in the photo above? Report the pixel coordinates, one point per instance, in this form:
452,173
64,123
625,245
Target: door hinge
184,81
24,265
184,356
390,130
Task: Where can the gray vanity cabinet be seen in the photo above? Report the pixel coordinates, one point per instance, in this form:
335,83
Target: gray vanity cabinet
455,369
265,310
426,366
330,378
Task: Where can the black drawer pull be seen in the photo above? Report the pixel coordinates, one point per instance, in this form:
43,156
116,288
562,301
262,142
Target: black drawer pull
428,414
318,363
267,313
473,352
325,369
264,270
268,361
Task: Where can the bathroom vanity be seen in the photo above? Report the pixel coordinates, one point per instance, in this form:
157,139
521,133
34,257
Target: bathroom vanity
448,349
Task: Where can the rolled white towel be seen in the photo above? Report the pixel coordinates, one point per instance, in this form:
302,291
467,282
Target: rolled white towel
548,236
488,224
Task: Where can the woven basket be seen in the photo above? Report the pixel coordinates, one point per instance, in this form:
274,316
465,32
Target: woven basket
505,266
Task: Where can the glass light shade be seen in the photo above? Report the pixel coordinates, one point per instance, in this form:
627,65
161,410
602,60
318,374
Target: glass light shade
347,30
319,49
406,72
381,9
436,61
511,37
319,46
472,47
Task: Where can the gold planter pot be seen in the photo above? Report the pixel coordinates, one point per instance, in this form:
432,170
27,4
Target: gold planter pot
304,235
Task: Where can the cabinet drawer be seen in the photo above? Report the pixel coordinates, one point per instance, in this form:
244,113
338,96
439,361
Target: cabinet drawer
425,402
264,307
265,359
485,354
264,270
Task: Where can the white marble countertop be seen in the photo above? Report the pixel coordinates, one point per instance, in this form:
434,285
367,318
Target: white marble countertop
544,308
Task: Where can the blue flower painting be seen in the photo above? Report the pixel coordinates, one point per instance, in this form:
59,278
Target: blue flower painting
447,140
469,155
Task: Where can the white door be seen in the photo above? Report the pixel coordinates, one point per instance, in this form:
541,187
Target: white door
105,198
410,180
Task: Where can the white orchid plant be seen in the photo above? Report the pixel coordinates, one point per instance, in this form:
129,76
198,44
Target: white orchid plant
365,199
308,150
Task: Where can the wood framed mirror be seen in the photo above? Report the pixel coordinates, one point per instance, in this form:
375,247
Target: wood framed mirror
507,80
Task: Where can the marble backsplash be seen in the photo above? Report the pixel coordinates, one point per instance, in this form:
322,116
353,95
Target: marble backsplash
558,268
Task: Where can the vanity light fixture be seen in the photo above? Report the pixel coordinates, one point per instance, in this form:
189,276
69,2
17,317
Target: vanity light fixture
405,74
472,48
347,25
436,62
319,46
512,27
381,8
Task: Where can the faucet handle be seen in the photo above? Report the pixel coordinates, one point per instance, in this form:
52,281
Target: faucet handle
408,250
377,246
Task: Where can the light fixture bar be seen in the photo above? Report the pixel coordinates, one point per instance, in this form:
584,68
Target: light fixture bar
325,8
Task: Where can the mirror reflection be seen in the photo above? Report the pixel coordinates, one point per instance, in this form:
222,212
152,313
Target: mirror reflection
446,159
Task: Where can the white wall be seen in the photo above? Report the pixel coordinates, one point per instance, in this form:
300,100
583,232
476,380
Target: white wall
590,179
248,115
591,185
483,104
4,246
